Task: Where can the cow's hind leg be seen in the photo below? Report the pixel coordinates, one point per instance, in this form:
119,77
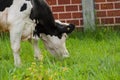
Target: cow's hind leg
37,52
15,39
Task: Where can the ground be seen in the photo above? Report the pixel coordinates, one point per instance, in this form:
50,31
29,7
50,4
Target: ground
93,56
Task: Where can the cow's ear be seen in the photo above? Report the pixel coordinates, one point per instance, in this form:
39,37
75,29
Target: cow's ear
69,28
65,28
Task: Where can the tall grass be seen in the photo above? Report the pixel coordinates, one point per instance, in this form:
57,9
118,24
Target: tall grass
93,56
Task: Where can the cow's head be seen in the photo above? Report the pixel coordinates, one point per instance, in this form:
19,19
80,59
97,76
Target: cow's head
53,33
55,41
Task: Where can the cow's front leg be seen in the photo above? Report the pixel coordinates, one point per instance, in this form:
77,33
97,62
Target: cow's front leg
37,52
15,38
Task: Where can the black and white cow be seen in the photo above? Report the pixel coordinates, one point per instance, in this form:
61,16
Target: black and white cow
30,19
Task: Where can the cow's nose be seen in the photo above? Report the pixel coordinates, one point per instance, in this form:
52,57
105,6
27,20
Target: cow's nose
66,55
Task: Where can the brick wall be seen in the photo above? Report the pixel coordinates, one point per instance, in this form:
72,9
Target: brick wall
67,10
107,11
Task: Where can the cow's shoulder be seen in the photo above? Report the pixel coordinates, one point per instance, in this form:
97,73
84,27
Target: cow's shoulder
4,4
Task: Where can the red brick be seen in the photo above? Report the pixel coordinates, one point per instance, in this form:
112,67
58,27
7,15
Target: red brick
64,15
80,7
76,1
56,16
117,5
107,6
58,9
101,14
51,2
76,22
99,0
81,22
97,6
107,20
63,1
114,13
77,15
117,20
72,8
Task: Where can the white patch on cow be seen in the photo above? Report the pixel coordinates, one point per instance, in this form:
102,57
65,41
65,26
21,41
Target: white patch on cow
55,45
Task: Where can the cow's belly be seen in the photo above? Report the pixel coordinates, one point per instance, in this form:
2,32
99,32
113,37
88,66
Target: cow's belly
4,26
28,29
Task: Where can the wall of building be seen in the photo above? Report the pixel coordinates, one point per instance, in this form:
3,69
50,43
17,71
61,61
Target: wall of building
107,11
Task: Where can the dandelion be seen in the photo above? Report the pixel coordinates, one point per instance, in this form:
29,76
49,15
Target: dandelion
51,77
29,69
14,77
65,69
41,66
40,77
55,74
27,78
33,63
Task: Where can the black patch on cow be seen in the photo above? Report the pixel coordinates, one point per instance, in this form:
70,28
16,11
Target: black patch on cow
39,28
58,30
45,22
43,16
4,4
24,7
42,13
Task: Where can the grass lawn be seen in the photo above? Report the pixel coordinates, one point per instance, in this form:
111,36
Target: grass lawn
93,56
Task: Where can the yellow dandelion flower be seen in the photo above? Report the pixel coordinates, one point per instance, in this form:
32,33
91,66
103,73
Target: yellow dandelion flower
27,78
65,69
51,78
33,63
14,77
29,69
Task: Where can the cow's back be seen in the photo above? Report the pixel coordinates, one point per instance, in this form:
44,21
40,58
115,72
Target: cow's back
4,4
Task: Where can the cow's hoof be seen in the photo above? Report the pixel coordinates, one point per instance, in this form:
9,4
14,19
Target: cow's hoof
17,62
17,65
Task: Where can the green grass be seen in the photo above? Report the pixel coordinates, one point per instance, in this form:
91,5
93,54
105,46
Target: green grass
93,56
